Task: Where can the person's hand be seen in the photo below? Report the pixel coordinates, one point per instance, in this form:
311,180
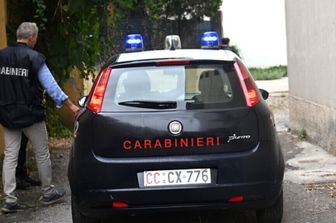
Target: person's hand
74,108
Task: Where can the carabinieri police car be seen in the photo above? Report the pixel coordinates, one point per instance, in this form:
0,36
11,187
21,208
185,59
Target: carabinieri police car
175,129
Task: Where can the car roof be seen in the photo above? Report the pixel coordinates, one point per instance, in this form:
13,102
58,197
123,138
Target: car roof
190,54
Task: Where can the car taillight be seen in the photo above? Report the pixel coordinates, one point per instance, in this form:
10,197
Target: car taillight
97,96
250,90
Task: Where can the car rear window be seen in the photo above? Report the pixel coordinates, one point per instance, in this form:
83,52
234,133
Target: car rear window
193,86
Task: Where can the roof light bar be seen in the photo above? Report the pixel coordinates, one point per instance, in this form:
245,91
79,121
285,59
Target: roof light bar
134,42
210,40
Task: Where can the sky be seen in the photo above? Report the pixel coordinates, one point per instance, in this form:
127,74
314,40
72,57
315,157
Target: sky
258,29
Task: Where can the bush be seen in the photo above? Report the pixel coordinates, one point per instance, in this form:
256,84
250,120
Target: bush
236,50
55,126
269,73
302,134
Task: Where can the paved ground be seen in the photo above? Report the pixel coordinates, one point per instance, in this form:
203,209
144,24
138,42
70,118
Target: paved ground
309,185
274,86
311,201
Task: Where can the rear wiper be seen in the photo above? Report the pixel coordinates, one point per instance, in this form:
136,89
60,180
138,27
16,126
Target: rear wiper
150,104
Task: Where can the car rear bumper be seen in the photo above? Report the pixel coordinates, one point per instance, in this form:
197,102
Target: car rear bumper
98,203
256,175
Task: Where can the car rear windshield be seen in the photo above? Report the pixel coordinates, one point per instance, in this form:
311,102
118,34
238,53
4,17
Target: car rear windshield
198,85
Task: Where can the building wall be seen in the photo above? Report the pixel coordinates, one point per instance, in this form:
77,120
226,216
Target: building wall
311,53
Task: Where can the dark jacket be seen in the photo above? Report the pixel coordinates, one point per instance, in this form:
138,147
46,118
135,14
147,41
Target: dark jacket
21,94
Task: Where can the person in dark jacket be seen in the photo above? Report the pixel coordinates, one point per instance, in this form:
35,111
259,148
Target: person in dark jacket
24,76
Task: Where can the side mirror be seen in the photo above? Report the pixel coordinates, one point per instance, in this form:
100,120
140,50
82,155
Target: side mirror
82,101
264,93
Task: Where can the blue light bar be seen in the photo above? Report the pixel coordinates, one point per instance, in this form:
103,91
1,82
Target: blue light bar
134,42
210,40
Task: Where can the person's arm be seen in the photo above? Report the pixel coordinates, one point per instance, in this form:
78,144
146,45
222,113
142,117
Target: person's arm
54,91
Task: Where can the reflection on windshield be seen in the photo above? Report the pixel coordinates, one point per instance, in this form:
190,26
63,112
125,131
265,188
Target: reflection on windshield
151,84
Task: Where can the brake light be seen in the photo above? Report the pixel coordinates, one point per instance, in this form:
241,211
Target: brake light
172,62
97,96
250,90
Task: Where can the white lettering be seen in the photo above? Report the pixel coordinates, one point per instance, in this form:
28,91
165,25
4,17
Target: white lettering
14,71
24,72
235,137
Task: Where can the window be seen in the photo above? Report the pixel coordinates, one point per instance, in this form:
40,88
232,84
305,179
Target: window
195,86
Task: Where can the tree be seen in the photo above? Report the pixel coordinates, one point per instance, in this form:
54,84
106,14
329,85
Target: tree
84,33
72,31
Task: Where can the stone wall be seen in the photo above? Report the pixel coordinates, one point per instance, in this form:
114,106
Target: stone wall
317,120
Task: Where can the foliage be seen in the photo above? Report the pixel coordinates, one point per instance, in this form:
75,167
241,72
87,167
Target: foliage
39,13
68,32
54,123
83,33
177,9
73,33
302,134
236,50
155,19
269,73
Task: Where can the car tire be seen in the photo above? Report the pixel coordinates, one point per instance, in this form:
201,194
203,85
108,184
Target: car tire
273,213
78,217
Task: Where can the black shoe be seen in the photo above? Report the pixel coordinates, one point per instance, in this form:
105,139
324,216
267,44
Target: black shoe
31,181
55,197
21,184
12,207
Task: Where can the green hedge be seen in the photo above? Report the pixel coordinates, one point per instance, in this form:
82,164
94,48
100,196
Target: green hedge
55,126
269,73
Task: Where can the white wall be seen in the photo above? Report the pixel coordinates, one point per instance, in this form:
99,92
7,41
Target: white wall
258,28
311,35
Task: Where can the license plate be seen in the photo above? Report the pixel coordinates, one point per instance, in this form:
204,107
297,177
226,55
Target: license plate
177,177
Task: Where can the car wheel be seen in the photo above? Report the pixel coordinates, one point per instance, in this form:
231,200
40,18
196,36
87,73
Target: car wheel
273,213
78,217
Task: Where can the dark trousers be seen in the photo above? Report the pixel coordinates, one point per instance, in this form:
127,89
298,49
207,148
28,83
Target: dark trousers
21,169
